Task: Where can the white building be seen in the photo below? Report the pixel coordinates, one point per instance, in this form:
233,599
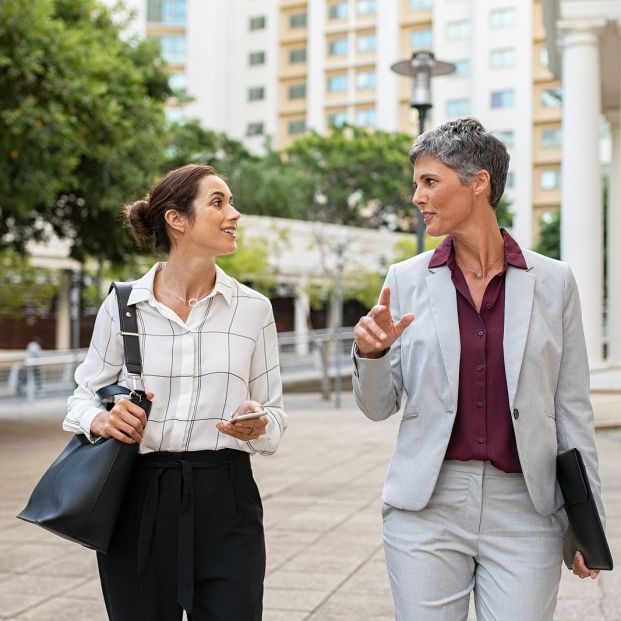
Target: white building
584,43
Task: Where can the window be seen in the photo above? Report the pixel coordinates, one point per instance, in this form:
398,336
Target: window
416,5
544,57
366,7
457,107
297,91
502,99
507,137
338,47
551,138
338,10
421,39
173,48
297,20
254,129
365,80
337,83
365,117
462,67
551,98
256,93
510,182
337,119
366,43
166,11
502,18
257,23
256,58
296,127
297,55
550,179
458,30
177,81
502,58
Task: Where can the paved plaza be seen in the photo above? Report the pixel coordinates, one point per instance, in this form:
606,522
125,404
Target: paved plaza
322,504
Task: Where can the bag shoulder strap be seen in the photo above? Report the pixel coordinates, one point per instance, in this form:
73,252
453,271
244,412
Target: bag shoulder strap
129,328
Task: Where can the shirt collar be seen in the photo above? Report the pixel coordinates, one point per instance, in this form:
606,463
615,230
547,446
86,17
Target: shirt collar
142,289
513,252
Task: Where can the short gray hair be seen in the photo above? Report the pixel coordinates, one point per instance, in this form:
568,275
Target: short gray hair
467,147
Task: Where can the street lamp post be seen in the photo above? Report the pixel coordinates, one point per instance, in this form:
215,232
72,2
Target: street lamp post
421,67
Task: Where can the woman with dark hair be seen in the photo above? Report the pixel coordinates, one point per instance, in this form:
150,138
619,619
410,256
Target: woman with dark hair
485,340
189,535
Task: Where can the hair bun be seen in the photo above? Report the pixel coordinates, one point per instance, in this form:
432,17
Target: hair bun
138,221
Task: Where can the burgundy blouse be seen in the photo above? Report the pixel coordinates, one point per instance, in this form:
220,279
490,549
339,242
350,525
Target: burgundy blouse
483,429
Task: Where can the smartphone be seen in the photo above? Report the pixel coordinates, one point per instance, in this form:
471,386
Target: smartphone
248,416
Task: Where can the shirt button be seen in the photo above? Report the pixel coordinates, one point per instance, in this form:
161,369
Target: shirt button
481,333
480,439
488,306
479,368
516,414
480,404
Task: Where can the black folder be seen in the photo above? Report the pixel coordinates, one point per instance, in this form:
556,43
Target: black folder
585,532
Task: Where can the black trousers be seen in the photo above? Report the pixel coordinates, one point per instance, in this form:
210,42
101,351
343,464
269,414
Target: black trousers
189,536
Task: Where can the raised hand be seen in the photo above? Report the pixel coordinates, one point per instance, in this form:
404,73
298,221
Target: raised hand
376,331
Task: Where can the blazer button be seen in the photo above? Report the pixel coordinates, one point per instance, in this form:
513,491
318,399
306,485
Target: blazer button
516,413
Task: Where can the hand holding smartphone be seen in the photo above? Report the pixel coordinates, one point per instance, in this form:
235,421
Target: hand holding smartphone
248,416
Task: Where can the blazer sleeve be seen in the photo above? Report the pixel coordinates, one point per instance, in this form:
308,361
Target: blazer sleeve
378,382
574,413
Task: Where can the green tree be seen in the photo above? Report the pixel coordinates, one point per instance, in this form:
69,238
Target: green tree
549,242
359,177
81,122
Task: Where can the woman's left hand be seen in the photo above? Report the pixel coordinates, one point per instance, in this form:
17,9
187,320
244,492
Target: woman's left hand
250,429
581,570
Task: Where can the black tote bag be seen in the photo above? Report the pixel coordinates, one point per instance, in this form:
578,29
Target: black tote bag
79,496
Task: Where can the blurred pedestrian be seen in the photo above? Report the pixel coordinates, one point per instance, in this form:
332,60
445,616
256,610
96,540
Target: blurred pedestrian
485,338
33,371
189,535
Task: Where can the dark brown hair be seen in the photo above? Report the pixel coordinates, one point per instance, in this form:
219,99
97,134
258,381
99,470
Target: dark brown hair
176,190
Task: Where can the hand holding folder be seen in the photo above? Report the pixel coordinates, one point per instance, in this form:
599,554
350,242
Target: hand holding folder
585,532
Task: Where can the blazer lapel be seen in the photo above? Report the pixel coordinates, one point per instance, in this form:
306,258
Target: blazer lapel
443,304
519,292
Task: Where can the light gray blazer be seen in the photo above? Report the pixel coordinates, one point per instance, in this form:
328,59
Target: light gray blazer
545,363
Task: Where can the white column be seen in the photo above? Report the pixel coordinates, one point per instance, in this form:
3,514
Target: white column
63,312
300,321
614,245
581,205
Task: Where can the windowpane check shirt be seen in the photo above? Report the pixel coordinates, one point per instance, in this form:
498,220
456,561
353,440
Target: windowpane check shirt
200,370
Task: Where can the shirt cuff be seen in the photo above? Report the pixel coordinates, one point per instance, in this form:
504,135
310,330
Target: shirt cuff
85,424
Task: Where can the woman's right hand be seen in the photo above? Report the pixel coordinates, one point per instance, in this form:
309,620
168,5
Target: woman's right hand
125,422
376,331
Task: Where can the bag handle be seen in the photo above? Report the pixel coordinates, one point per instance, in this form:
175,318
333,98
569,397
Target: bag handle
129,328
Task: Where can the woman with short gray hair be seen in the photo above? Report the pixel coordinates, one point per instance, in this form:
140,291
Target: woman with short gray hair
485,339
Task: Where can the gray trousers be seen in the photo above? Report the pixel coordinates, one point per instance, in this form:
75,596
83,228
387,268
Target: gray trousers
479,531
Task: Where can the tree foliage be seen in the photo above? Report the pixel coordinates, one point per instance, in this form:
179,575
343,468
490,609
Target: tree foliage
549,242
81,122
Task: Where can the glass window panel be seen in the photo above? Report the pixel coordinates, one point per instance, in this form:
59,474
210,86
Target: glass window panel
298,55
296,127
550,179
173,48
421,39
297,91
366,117
502,58
177,81
551,98
366,7
365,80
551,138
457,107
338,10
458,30
510,179
254,129
416,5
502,99
174,115
337,119
338,47
544,57
506,136
462,67
366,43
256,58
256,93
257,23
337,83
502,18
298,20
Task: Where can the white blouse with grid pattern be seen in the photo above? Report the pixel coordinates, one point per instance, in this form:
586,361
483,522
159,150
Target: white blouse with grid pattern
200,370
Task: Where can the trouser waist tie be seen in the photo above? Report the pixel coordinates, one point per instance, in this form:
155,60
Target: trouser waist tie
187,462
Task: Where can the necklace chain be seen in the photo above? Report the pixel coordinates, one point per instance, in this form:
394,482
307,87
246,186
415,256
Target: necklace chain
192,302
479,273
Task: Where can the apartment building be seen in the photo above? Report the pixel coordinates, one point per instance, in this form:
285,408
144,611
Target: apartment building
276,69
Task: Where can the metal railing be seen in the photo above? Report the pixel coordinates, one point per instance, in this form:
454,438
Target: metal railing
304,356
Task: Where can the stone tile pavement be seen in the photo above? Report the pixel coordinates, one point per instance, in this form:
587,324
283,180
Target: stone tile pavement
322,503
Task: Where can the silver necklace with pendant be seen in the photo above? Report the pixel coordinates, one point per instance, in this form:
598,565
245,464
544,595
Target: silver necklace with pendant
192,302
479,273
